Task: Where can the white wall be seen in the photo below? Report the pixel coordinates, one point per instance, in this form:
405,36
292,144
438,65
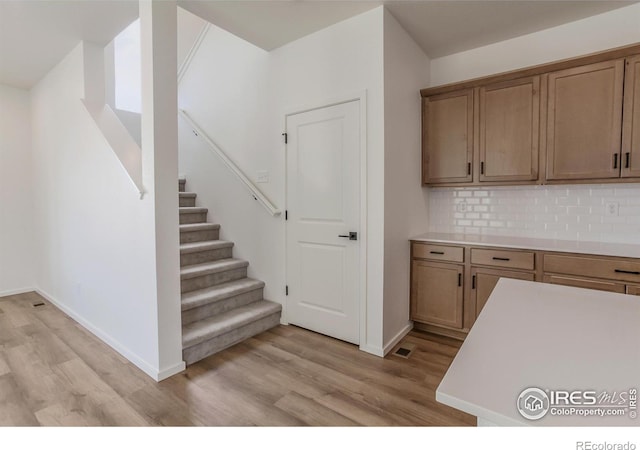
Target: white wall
241,103
95,237
406,71
189,28
16,192
601,32
575,212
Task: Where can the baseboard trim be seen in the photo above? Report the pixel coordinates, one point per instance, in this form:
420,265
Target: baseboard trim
16,291
398,337
373,350
170,371
139,362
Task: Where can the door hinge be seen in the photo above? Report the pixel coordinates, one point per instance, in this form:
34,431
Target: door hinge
286,137
286,214
286,290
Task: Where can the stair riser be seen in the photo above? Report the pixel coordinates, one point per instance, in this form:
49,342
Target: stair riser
212,279
208,255
192,218
199,236
206,348
221,306
181,185
187,201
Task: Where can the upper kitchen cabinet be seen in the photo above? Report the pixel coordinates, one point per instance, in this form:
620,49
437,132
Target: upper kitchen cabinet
447,138
510,130
569,121
631,120
584,120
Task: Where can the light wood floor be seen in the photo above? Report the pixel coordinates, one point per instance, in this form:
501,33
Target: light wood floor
54,372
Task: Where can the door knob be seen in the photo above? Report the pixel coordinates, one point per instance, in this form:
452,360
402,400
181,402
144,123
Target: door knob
353,235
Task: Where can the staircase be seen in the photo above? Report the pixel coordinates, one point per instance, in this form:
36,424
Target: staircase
220,305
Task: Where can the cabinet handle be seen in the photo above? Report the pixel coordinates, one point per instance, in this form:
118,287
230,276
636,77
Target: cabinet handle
436,253
631,272
473,282
615,161
468,168
459,279
627,160
482,167
501,259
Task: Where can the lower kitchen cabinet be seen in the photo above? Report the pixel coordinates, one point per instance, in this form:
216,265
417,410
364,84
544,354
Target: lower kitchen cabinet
452,281
437,293
600,285
633,289
484,280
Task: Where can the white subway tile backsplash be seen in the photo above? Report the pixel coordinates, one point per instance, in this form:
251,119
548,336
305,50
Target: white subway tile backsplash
576,212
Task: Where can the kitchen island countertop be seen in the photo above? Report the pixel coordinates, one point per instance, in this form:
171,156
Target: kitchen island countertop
554,338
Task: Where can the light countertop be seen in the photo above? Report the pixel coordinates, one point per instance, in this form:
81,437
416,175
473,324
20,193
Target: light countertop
554,245
546,336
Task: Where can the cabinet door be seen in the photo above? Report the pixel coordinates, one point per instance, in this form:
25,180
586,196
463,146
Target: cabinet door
510,130
447,138
484,280
584,122
436,293
631,125
633,289
587,283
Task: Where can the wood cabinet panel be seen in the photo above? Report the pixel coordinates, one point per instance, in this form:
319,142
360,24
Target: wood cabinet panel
587,283
631,121
616,269
513,259
510,130
584,119
447,137
484,280
633,289
447,296
436,293
438,252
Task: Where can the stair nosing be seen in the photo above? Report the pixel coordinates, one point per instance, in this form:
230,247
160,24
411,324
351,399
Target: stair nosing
192,210
214,294
188,227
211,267
221,325
203,246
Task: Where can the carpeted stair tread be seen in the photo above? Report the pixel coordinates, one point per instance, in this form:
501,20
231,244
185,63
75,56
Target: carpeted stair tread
192,210
188,227
187,194
195,299
207,268
204,330
202,246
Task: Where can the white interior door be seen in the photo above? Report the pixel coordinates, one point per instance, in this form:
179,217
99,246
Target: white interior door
323,206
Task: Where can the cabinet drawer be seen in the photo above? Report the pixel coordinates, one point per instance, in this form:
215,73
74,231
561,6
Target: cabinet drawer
585,283
611,269
438,252
503,258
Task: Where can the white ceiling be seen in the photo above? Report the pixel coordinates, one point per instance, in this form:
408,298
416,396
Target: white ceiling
439,27
36,34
